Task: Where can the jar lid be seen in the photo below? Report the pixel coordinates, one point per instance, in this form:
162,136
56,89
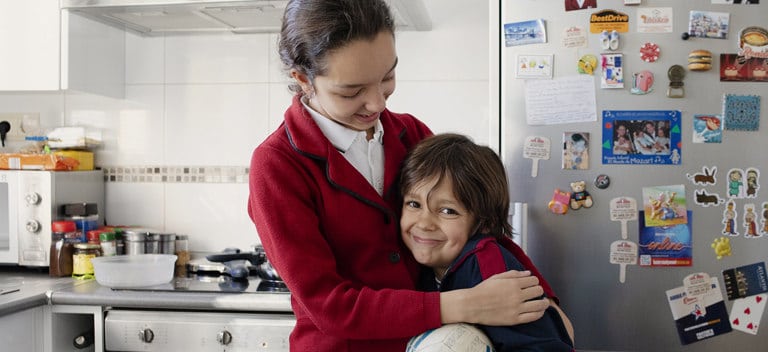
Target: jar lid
93,235
167,237
87,246
63,226
107,236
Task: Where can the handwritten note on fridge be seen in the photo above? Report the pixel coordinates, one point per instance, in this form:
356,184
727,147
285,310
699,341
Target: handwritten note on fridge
560,100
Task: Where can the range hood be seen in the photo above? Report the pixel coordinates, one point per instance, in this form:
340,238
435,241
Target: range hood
160,17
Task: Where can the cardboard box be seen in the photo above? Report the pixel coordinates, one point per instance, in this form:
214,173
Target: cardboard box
15,161
84,157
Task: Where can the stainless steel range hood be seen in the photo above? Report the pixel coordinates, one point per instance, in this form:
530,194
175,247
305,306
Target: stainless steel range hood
159,17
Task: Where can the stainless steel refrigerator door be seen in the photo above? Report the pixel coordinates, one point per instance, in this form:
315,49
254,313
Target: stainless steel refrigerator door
572,250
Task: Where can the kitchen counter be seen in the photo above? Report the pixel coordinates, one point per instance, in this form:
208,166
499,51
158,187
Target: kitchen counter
28,288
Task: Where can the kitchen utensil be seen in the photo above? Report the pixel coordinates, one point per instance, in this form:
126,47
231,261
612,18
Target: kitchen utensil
125,271
236,263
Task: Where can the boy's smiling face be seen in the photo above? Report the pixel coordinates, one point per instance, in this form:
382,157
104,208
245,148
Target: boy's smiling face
435,225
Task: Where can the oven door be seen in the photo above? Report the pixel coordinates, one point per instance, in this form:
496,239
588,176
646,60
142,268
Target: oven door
143,330
9,217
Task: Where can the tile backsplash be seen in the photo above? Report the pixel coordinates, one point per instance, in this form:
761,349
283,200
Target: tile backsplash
176,149
176,174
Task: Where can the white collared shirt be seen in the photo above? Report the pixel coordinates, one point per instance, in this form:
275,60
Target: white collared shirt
366,156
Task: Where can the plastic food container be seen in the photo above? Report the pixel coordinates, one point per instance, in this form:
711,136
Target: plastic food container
126,271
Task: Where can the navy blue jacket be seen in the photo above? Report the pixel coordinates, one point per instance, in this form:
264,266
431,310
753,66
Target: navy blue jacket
482,257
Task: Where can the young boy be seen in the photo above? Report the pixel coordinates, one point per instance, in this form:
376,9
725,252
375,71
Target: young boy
455,207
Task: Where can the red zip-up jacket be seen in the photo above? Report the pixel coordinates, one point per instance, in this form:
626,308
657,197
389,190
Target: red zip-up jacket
335,241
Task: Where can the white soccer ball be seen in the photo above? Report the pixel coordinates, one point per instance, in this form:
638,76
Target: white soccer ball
458,337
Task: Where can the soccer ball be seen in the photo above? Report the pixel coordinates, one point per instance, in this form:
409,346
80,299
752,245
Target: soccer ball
458,337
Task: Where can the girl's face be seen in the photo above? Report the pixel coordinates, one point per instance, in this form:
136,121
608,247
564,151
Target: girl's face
621,130
435,225
358,79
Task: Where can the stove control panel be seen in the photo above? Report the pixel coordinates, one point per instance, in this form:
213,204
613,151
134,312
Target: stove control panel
130,330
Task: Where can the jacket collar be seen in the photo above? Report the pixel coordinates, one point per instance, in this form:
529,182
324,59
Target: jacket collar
307,139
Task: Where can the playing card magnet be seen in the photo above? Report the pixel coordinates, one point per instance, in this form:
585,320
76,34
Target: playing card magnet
747,312
623,209
745,281
623,253
536,148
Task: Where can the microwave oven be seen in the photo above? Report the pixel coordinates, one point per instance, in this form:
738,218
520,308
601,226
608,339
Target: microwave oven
30,200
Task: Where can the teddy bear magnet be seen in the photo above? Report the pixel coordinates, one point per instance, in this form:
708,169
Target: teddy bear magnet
580,197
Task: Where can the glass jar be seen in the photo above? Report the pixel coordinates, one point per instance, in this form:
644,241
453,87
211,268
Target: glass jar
82,268
108,244
63,237
182,255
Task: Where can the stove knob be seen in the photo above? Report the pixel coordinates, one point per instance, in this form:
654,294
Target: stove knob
224,337
146,335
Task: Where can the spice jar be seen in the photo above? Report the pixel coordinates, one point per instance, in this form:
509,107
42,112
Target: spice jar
82,267
135,241
108,244
167,243
93,236
63,236
182,255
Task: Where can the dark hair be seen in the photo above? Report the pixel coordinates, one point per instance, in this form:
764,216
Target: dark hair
477,173
313,28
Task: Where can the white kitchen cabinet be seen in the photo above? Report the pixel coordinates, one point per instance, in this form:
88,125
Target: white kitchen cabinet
21,331
47,49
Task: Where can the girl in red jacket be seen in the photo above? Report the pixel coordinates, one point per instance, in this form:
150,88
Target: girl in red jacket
323,194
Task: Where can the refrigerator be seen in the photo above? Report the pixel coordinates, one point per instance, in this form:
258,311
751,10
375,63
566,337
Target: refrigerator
558,128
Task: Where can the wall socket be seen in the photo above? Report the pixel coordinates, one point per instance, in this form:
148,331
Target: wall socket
22,124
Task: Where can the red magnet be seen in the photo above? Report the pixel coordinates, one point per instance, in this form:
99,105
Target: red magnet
649,52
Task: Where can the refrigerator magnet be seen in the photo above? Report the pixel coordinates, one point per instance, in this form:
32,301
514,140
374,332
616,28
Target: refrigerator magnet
665,205
587,64
750,222
722,247
741,112
691,321
624,253
575,151
744,281
665,246
612,71
579,196
536,148
534,66
708,24
705,177
641,137
697,285
729,220
642,82
735,185
559,202
623,209
707,128
765,218
704,199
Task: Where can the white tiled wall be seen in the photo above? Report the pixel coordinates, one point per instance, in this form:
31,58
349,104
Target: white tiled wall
209,100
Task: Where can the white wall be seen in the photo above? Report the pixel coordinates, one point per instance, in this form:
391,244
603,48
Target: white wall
204,102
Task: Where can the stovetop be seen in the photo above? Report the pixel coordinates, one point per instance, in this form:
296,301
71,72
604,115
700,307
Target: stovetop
205,276
219,284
